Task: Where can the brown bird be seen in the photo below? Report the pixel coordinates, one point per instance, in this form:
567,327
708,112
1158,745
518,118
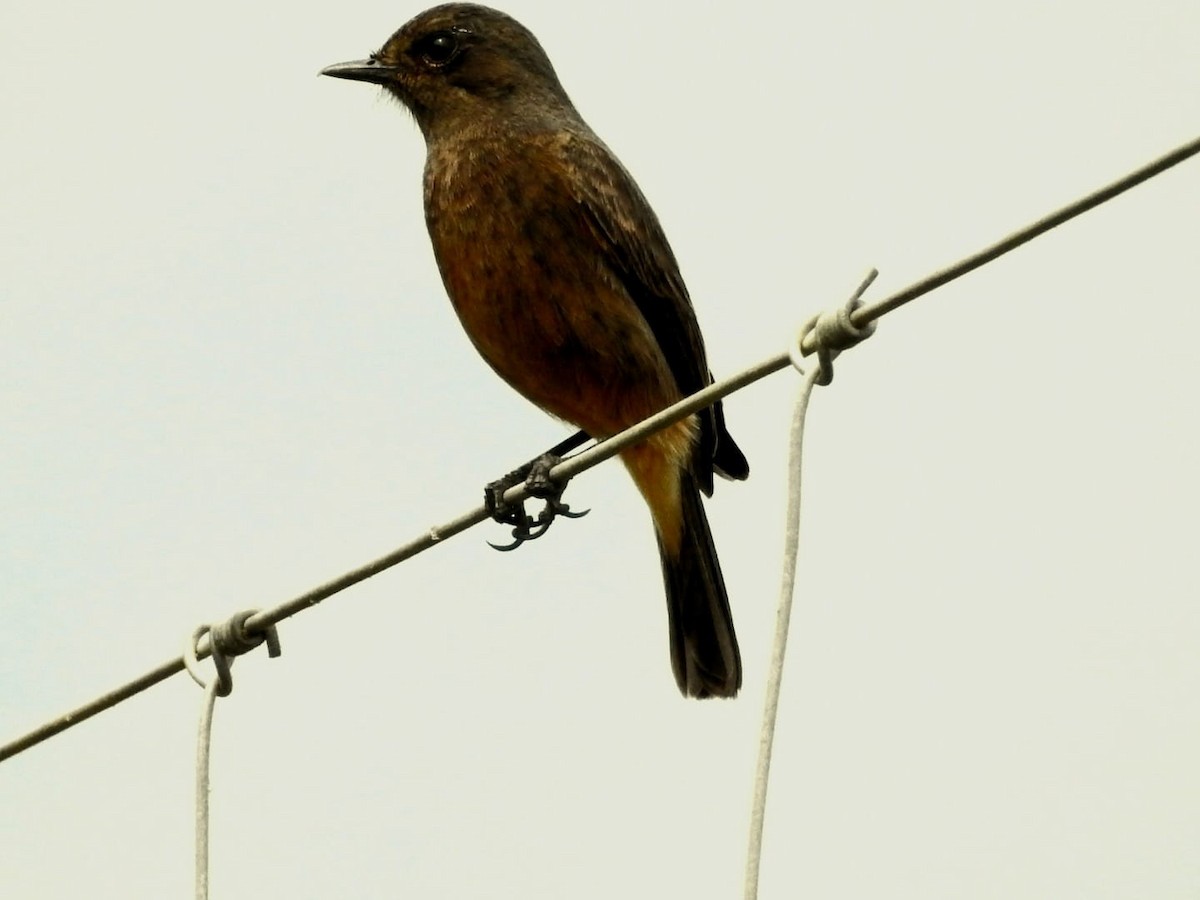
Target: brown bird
564,281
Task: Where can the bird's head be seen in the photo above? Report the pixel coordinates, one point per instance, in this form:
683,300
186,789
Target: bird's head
461,63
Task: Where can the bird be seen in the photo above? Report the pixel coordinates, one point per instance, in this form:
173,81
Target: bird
562,277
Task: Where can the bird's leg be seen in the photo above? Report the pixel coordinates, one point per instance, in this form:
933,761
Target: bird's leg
535,475
562,448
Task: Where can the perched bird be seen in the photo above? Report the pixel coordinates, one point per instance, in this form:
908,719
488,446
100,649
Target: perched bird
564,281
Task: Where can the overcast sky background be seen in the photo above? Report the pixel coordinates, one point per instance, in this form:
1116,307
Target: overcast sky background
228,372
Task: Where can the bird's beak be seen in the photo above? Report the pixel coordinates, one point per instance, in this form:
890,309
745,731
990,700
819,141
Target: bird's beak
361,70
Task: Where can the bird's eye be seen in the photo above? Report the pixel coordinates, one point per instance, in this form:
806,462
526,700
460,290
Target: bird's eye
438,48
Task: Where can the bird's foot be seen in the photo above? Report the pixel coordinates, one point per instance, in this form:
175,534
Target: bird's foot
535,476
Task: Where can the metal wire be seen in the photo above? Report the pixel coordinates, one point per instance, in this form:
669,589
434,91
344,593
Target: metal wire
783,618
873,311
203,748
606,449
260,621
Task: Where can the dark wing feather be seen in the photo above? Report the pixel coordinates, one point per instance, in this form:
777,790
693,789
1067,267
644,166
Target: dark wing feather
637,250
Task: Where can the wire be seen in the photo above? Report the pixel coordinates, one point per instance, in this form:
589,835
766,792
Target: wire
203,755
605,449
873,311
783,617
435,535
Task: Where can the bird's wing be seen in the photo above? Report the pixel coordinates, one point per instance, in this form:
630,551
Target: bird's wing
636,249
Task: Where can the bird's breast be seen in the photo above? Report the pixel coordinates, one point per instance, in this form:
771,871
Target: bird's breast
534,288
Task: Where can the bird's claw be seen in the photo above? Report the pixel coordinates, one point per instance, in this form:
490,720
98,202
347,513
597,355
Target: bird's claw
536,477
529,531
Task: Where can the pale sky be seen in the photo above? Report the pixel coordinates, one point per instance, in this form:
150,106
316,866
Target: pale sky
228,372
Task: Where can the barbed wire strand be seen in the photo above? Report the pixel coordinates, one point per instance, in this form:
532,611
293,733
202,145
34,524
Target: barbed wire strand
605,449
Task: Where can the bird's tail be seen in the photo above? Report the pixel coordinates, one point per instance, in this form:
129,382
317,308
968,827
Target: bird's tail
704,650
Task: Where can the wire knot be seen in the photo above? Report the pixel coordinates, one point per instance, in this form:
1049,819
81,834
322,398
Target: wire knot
832,332
226,641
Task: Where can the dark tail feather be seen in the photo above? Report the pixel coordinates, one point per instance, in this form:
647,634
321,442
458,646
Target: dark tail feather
704,650
728,459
